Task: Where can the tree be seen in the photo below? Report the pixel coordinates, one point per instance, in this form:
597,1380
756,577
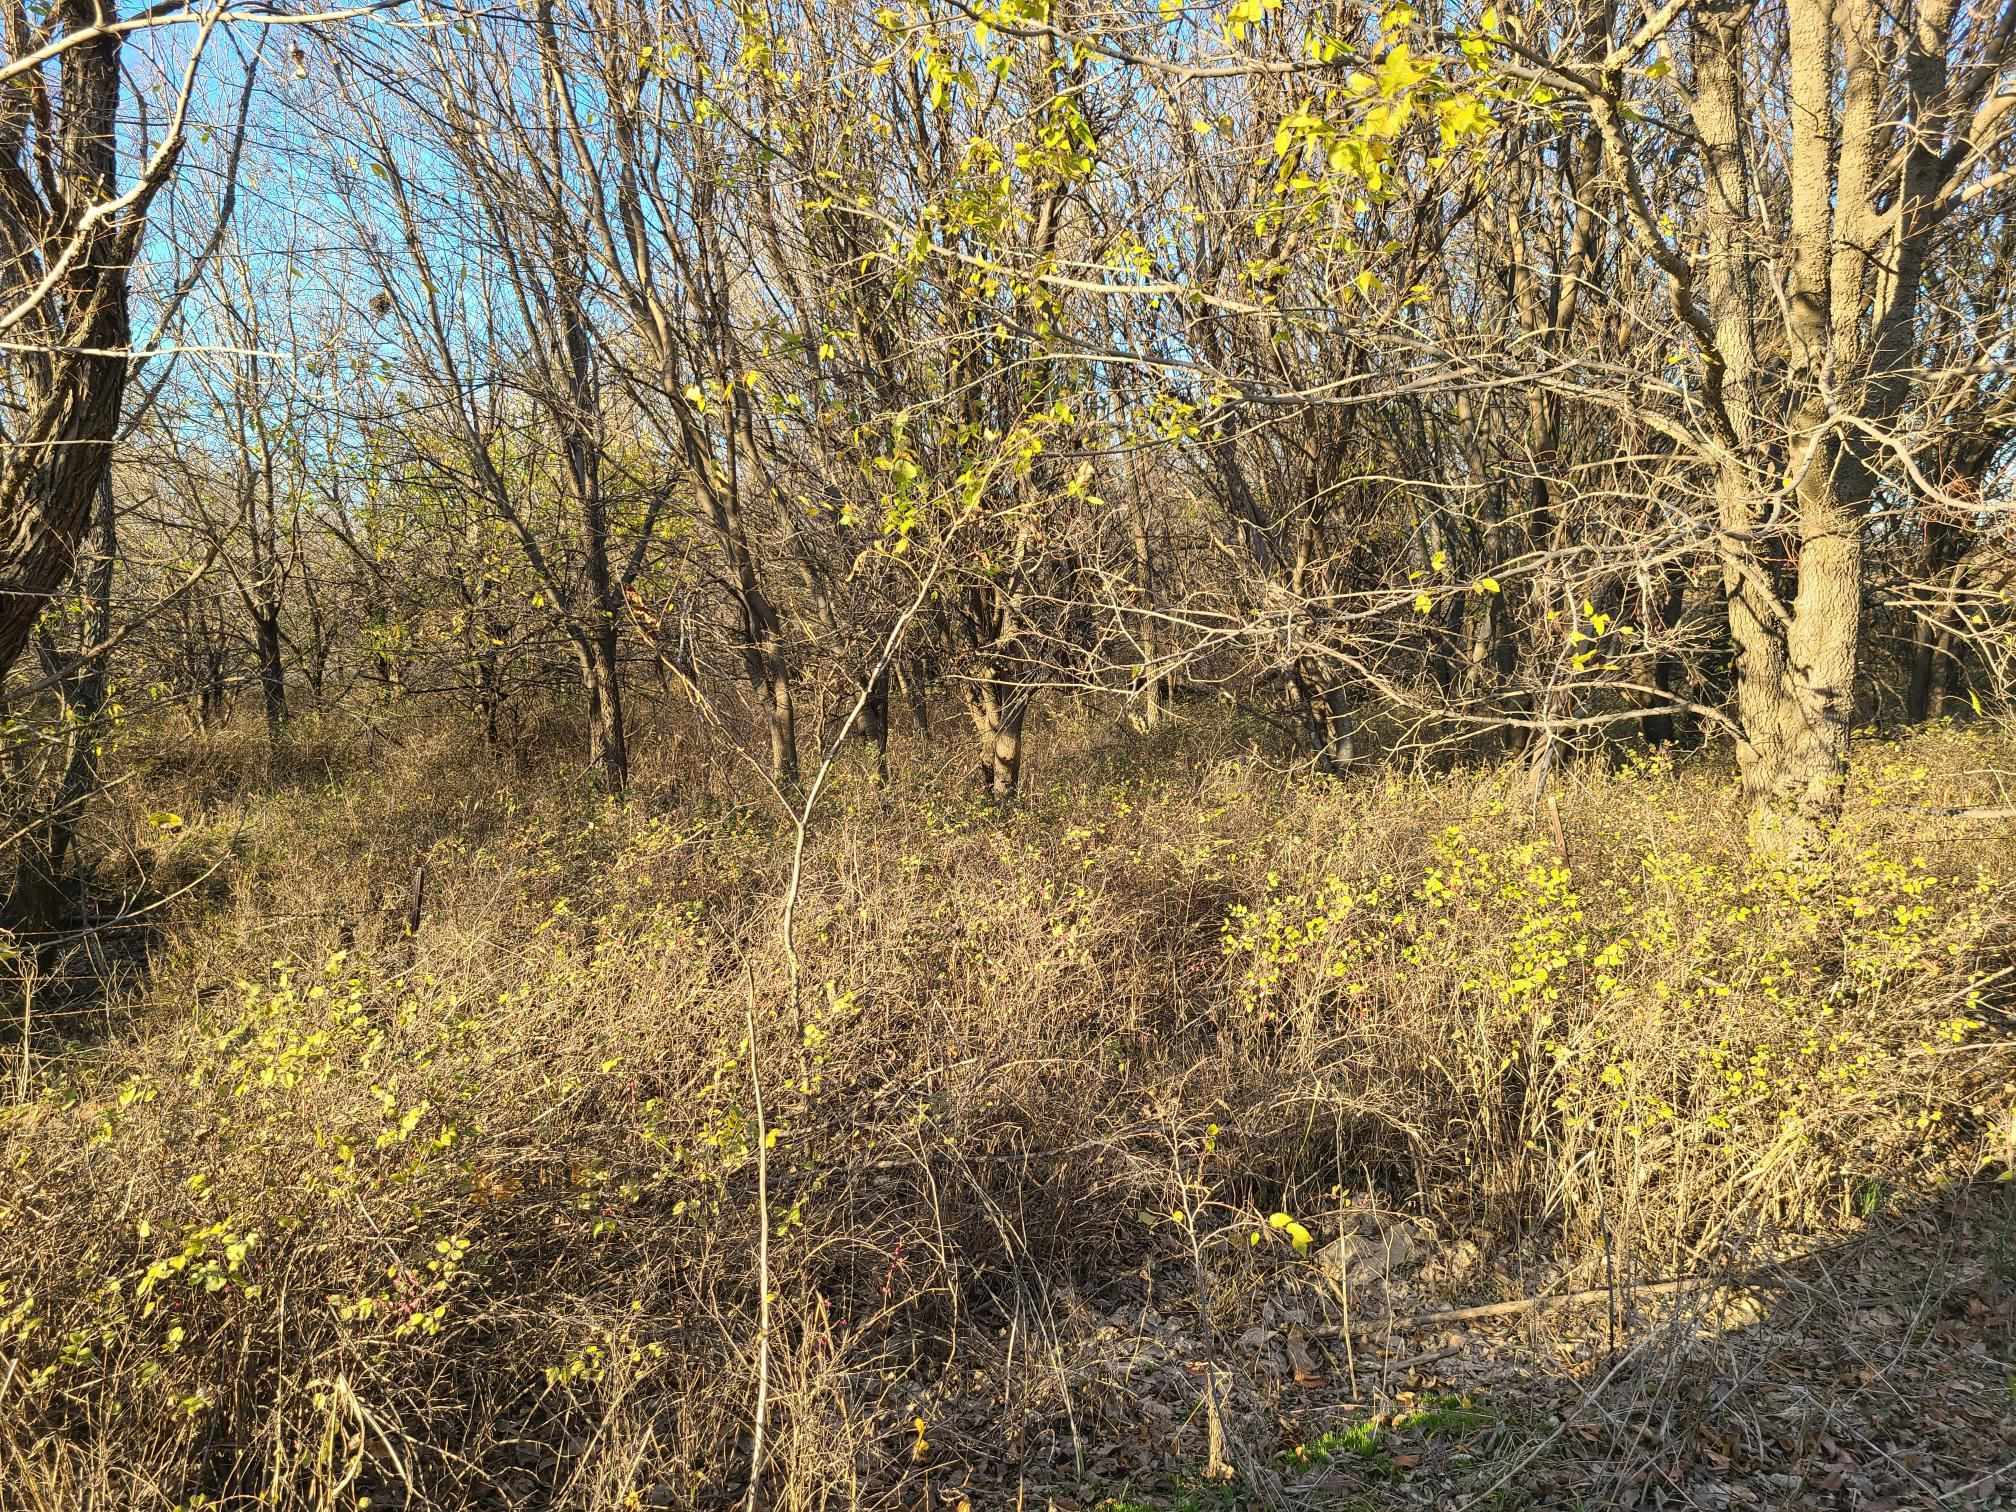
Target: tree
1829,146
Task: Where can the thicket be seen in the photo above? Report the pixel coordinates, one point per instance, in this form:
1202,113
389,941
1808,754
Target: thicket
316,1207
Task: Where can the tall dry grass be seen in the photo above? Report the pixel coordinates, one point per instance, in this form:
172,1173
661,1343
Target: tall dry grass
323,1211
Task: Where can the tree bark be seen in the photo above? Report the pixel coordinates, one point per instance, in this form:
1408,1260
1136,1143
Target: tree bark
272,670
1795,665
72,357
998,710
915,694
38,902
875,724
601,674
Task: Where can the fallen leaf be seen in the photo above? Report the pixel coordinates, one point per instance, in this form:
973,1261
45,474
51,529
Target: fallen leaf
1301,1361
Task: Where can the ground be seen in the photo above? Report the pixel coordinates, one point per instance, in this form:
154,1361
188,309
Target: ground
1192,1134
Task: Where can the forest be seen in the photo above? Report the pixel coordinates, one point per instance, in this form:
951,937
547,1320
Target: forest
1103,757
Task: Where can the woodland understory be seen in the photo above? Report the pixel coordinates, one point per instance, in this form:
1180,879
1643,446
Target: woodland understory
1007,753
1195,1134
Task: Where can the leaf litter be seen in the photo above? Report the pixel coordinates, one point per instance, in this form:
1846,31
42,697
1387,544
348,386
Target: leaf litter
1878,1375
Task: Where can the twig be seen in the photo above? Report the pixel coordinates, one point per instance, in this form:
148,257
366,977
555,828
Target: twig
762,1248
1530,1304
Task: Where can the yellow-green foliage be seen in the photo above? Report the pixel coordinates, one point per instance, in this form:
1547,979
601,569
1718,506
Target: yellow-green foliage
1656,1030
331,1212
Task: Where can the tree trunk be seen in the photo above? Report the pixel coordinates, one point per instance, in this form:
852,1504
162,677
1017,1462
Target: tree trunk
215,698
316,666
70,354
272,671
1932,633
1795,683
490,694
1150,687
608,747
1795,665
37,904
1946,670
39,897
1661,614
1004,748
998,710
1327,718
875,724
761,629
912,681
595,640
782,709
213,657
1931,668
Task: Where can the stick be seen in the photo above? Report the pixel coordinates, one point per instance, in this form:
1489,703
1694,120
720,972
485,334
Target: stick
1529,1304
762,1250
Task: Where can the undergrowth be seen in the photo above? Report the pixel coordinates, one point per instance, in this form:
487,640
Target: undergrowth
340,1213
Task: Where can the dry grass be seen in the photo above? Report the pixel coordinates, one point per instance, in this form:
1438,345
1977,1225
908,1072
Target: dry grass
318,1211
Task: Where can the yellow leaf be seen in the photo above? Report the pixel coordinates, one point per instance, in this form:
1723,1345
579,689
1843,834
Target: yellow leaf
1297,1235
1398,72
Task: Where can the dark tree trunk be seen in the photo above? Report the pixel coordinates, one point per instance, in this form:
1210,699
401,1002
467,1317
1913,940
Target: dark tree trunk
38,902
272,670
1662,613
71,359
212,657
1932,634
316,668
914,694
875,724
